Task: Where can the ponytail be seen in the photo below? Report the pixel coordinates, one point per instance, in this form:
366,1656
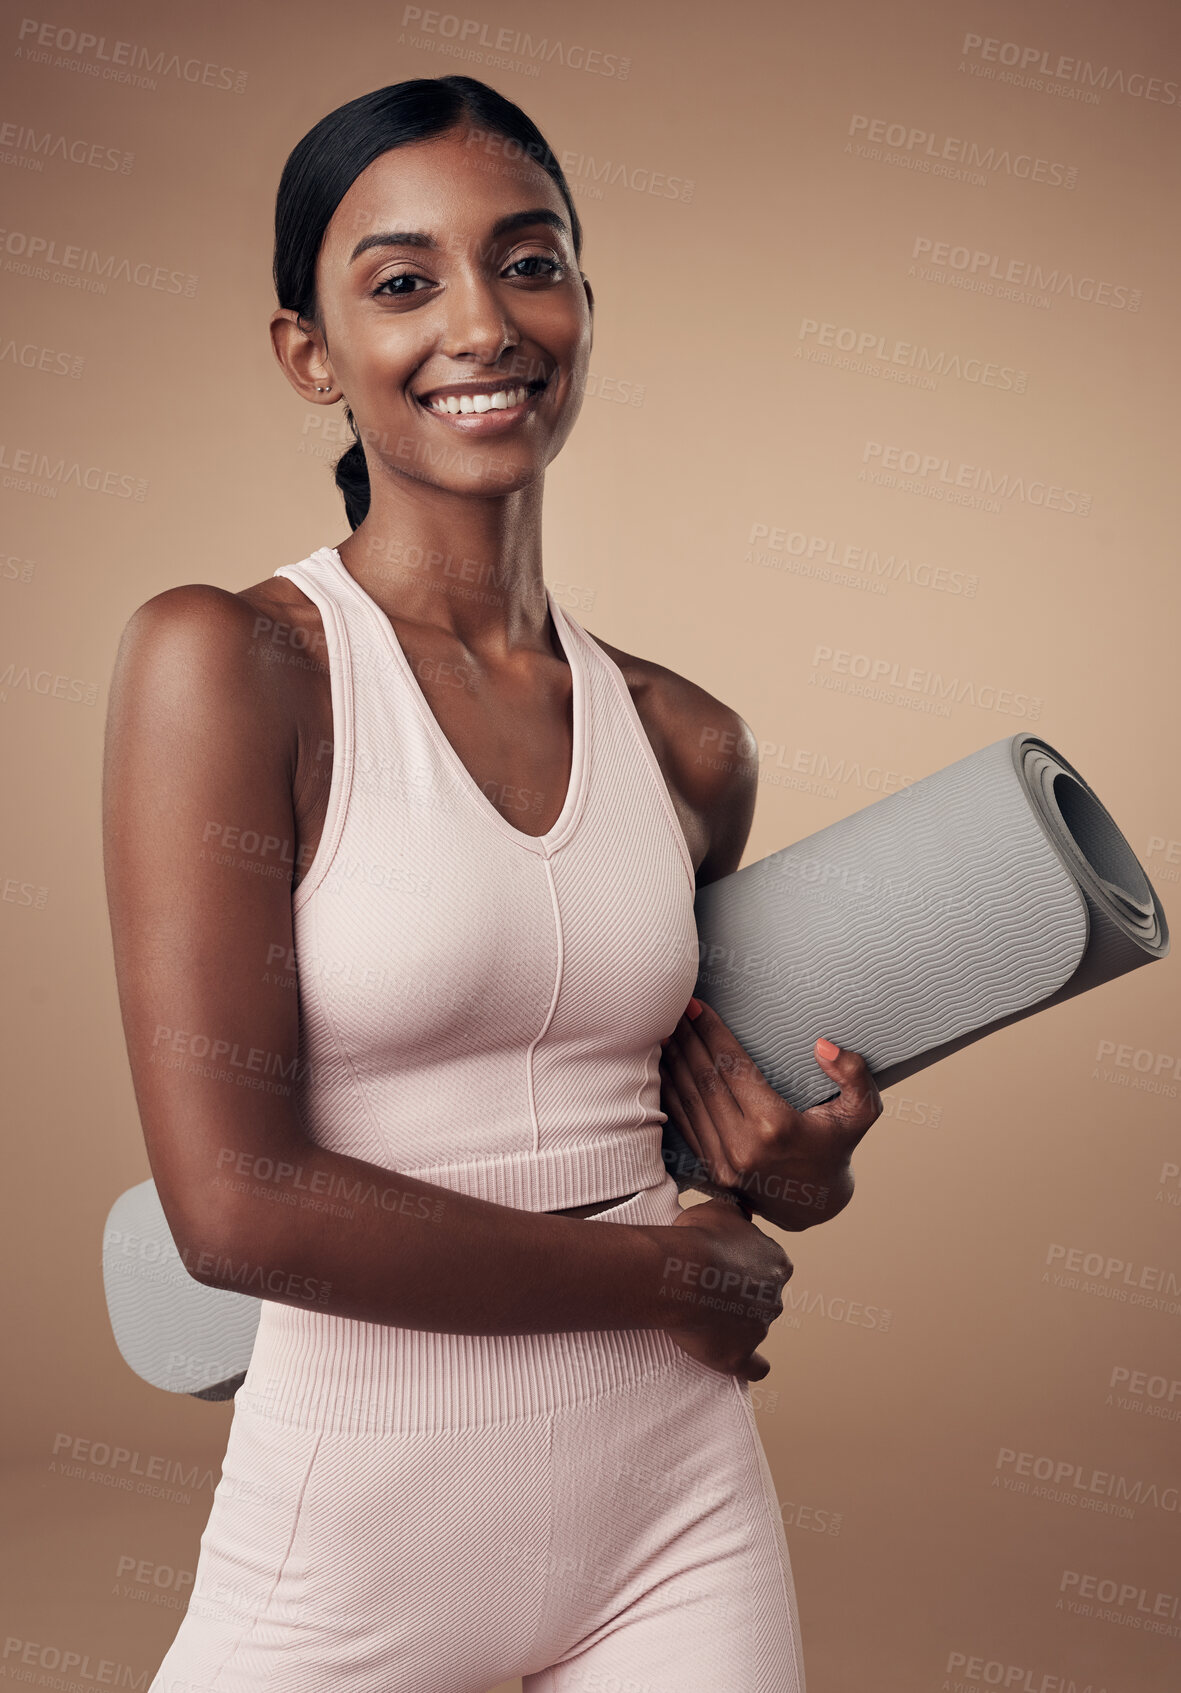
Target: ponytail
352,478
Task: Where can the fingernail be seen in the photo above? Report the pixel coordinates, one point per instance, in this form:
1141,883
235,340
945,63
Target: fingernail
694,1007
827,1050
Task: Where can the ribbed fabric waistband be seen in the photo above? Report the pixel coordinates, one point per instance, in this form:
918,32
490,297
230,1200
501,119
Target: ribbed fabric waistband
318,1371
556,1177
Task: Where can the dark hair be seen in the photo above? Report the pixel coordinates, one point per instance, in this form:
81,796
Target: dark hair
322,167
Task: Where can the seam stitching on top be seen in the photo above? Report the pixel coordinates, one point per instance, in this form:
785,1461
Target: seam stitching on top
553,1004
332,836
636,725
344,731
583,725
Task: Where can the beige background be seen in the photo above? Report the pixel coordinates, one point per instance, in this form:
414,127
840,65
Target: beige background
887,1442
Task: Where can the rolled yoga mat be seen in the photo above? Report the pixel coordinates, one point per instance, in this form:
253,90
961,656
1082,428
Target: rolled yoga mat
997,887
993,889
174,1331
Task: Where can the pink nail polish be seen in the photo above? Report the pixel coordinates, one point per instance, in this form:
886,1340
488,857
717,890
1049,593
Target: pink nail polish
827,1050
694,1007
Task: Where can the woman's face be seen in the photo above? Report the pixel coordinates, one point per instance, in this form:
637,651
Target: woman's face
446,272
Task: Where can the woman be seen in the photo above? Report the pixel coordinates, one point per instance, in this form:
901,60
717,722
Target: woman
401,865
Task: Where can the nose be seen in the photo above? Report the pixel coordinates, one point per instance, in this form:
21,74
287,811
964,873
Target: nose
476,324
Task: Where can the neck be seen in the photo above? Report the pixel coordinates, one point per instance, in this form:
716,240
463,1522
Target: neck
467,564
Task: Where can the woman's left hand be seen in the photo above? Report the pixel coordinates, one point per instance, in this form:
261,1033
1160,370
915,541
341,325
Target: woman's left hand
793,1166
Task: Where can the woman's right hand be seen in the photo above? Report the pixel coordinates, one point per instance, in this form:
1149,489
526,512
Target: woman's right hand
724,1287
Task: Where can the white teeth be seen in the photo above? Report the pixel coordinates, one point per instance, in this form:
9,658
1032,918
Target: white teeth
500,401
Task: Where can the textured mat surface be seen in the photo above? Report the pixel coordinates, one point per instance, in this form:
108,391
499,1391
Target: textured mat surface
992,889
173,1331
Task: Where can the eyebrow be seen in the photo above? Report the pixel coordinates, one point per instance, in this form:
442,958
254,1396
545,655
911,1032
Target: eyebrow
419,238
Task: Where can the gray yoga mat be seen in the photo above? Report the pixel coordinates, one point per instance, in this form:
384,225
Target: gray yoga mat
992,889
173,1331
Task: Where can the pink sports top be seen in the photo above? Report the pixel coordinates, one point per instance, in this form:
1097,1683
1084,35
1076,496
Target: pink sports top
479,1007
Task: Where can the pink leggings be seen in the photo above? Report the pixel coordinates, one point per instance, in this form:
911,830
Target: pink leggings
410,1512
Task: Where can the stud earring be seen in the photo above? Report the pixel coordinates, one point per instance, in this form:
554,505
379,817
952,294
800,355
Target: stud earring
320,390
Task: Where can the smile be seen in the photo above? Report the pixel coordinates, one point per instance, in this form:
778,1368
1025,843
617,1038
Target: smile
486,412
501,400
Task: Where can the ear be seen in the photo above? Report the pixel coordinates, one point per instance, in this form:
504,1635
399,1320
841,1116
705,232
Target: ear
589,291
300,350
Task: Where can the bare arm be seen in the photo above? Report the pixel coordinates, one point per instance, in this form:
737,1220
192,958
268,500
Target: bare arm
199,743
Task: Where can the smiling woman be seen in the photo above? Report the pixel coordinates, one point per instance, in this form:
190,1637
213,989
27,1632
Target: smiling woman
477,1439
431,259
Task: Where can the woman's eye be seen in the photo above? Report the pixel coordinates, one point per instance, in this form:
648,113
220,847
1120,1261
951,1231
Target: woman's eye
400,276
531,267
554,268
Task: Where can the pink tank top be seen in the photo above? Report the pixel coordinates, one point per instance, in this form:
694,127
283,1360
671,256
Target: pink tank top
479,1007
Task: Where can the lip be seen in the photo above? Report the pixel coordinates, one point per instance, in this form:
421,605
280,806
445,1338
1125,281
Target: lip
486,422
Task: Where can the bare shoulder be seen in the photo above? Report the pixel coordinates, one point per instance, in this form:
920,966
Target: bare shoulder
707,752
196,636
201,667
205,618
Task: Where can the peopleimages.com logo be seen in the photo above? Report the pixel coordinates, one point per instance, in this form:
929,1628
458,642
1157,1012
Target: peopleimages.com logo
1029,63
937,471
881,671
1023,274
944,155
